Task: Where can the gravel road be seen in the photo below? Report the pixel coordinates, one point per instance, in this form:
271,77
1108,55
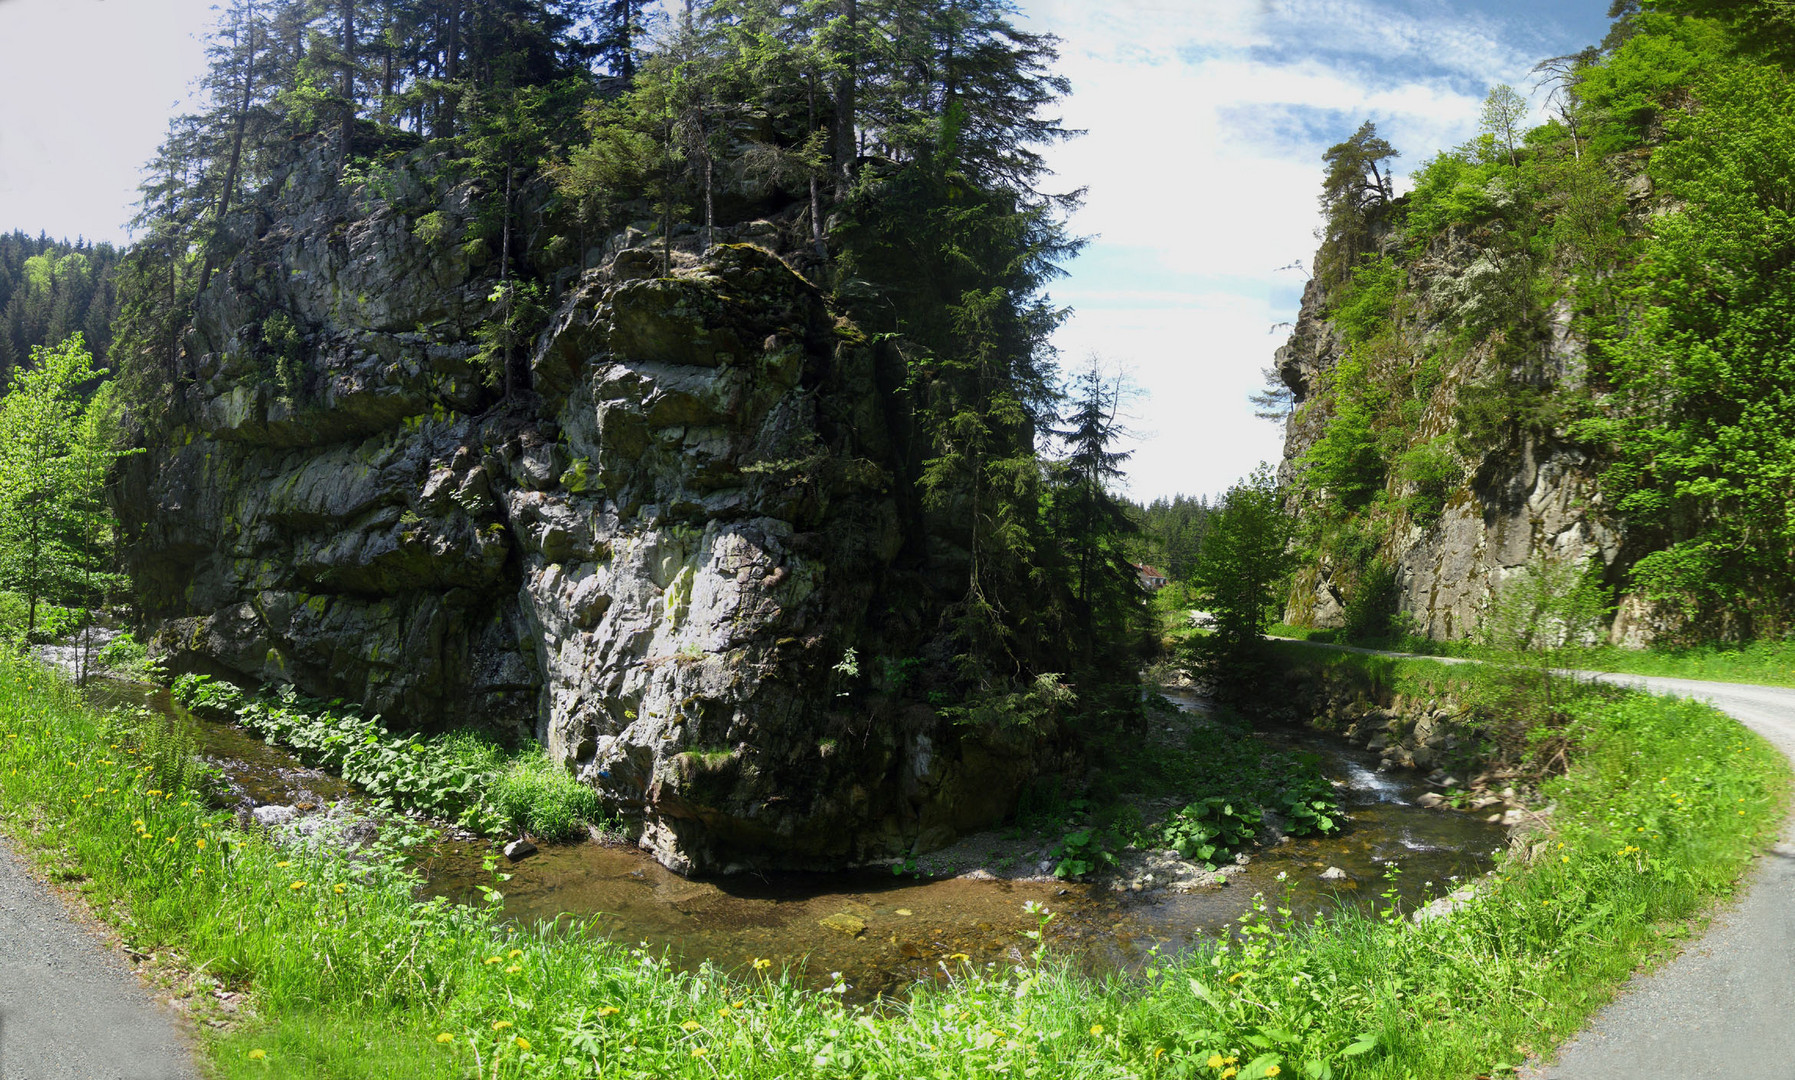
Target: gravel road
70,1007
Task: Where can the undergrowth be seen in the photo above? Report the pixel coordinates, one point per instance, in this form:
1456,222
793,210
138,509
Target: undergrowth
461,777
346,975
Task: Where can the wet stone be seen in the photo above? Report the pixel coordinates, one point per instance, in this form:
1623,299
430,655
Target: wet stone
272,816
843,923
519,849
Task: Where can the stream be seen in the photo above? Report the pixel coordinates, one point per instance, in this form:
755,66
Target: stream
882,932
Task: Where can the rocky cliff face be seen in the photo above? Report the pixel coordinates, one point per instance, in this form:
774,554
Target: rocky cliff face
1515,500
664,560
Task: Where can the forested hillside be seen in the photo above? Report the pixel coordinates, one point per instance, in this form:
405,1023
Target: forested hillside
50,289
1567,345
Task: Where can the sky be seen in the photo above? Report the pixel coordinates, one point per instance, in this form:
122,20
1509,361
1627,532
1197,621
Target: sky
1204,122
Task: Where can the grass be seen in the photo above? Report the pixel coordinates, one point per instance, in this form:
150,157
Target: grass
1770,663
346,975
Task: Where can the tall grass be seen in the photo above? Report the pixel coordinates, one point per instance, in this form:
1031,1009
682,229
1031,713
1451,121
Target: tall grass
349,976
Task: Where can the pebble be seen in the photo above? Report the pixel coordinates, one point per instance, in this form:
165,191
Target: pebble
1333,873
519,849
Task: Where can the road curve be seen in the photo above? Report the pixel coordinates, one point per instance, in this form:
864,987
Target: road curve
70,1007
1724,1009
1726,1006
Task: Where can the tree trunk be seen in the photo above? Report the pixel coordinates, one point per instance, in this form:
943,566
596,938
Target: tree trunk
230,173
846,103
347,135
445,100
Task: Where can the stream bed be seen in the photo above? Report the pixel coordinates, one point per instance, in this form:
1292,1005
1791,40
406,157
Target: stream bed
882,932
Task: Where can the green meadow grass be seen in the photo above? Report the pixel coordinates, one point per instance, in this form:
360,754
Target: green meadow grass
346,974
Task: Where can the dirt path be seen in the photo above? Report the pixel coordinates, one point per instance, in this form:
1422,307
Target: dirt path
70,1007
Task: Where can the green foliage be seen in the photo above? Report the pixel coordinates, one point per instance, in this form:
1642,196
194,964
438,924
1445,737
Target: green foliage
1084,851
361,982
125,655
1245,559
1210,830
1626,95
51,289
1698,421
539,796
59,440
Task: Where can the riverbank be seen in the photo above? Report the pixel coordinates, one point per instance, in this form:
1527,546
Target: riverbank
341,972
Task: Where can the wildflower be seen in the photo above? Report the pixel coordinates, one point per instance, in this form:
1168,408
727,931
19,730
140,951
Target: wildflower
762,965
172,840
1215,1061
737,1004
515,953
1564,858
492,960
500,1025
258,1054
522,1043
691,1025
1272,1070
200,844
137,822
1096,1029
699,1051
337,888
283,864
445,1037
724,1011
608,1010
513,969
1237,976
296,886
1227,1074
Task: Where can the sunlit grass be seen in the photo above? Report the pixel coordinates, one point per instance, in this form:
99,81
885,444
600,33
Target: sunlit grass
346,974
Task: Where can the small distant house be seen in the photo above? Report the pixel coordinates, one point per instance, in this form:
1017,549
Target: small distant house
1151,579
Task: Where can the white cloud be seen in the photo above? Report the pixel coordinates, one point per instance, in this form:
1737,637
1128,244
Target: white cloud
1205,124
88,86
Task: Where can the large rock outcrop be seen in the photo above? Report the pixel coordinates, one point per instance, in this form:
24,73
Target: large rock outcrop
1518,500
666,559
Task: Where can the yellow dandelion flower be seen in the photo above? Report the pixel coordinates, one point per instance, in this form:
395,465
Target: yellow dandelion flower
1096,1029
296,886
737,1004
1564,858
513,969
762,965
1227,1074
691,1025
492,960
1272,1070
258,1054
522,1043
445,1037
500,1025
200,844
515,953
283,864
724,1011
699,1051
1237,976
172,840
337,888
1215,1061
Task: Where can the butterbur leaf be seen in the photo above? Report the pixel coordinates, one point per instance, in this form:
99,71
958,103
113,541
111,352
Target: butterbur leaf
1256,1068
1364,1044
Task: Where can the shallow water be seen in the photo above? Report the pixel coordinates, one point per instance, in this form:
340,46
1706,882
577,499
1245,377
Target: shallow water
901,930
